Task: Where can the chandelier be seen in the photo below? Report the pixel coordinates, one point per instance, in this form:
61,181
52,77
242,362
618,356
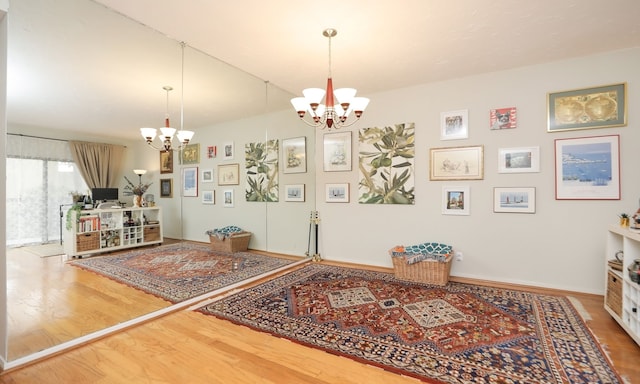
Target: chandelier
339,103
166,132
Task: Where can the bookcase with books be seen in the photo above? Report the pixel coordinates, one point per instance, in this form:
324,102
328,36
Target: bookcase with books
105,230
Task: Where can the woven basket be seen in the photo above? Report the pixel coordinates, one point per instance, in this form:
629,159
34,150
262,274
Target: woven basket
427,271
236,242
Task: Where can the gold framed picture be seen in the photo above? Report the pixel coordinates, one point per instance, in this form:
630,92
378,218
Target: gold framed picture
190,154
166,161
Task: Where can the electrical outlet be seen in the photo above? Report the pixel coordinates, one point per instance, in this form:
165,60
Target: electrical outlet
459,256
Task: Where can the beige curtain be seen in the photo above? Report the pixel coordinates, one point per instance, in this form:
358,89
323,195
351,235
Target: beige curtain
99,164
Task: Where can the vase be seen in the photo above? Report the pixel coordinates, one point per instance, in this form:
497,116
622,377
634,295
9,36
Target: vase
624,221
137,201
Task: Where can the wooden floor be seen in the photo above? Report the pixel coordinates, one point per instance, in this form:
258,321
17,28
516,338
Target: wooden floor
189,347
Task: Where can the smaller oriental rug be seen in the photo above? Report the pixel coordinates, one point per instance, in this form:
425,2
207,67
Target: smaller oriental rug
458,333
178,272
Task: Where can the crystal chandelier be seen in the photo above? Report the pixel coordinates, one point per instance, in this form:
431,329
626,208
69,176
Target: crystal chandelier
339,103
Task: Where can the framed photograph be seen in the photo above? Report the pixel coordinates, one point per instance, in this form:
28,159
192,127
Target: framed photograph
588,168
597,107
229,174
166,161
503,118
190,182
514,200
294,192
454,125
455,200
337,193
227,198
166,187
190,154
337,151
227,151
457,163
212,151
519,160
207,175
294,155
208,197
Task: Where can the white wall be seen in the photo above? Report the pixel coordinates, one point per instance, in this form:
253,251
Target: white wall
560,246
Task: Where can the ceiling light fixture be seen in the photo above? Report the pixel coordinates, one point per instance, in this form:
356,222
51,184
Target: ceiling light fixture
166,132
331,114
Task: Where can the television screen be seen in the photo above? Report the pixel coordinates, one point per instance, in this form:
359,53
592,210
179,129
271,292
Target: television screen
101,194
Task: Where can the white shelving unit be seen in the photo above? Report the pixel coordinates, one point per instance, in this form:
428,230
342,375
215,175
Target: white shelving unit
105,230
622,298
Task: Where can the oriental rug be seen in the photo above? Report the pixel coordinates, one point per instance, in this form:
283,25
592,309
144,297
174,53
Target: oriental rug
458,333
178,272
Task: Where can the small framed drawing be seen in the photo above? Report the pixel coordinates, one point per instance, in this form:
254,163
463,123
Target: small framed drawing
207,175
519,160
597,107
337,193
454,125
190,154
514,200
229,174
227,151
294,192
190,182
457,163
294,155
337,151
503,118
166,161
588,168
455,200
227,198
208,197
211,151
166,187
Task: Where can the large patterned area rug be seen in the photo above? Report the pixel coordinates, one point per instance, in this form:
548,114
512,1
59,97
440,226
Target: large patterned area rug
458,333
178,272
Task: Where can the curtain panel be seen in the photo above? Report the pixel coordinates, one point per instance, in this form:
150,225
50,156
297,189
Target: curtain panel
99,163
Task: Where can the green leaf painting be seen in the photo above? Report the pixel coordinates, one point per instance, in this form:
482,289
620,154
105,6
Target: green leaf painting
261,163
386,165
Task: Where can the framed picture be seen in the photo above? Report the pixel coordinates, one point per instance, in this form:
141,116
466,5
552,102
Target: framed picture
514,200
190,154
588,168
207,175
208,197
337,193
212,151
519,160
454,125
190,182
503,118
227,151
455,200
166,161
294,192
229,174
457,163
337,151
294,155
598,107
166,187
227,198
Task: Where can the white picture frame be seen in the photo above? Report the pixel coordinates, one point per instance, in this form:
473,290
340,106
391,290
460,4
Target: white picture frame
337,193
455,200
294,155
228,151
514,200
227,198
294,192
519,160
190,182
208,197
454,125
337,151
207,175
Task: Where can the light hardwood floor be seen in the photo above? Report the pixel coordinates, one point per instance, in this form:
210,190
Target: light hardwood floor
189,347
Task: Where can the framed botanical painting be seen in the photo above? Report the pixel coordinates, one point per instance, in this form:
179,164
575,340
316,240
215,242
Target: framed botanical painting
190,182
503,118
227,198
514,200
208,197
337,151
455,200
207,175
294,155
454,125
227,151
337,193
588,168
166,161
519,160
597,107
457,163
166,187
190,154
229,174
294,192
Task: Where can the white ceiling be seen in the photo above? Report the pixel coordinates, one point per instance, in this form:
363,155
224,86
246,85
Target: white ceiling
75,65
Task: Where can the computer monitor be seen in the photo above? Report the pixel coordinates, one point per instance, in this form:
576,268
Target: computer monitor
102,194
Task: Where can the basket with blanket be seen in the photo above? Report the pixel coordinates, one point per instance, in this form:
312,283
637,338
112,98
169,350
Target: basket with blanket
425,263
229,239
